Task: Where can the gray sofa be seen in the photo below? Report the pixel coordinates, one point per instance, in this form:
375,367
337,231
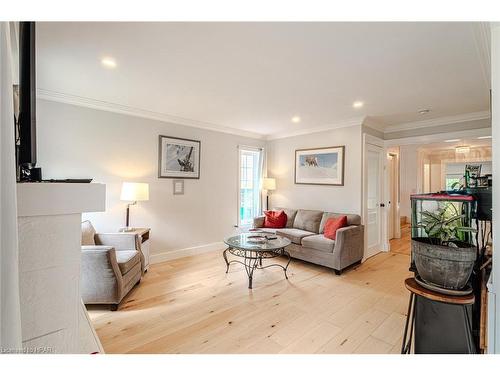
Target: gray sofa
112,264
305,229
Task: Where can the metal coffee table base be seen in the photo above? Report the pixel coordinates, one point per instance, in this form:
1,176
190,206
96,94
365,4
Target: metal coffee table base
252,260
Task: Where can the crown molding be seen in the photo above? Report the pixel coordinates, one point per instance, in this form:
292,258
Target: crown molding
473,116
482,38
137,112
371,122
294,133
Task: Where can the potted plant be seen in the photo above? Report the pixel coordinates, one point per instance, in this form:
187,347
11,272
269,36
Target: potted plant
444,258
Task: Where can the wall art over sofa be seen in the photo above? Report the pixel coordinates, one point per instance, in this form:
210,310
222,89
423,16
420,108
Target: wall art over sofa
320,166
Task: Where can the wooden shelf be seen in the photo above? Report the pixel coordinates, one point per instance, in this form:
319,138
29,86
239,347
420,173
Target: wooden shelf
419,290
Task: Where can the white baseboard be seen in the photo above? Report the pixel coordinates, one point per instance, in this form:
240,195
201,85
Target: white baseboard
181,253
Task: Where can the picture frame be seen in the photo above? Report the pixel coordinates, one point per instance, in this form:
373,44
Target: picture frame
178,157
320,166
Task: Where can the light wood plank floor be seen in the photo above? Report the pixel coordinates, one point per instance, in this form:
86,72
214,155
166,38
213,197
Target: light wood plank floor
402,245
191,305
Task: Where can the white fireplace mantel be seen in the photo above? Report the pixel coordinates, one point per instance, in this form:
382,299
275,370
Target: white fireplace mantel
41,199
49,223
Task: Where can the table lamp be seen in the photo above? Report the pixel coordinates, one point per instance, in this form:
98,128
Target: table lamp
134,192
268,184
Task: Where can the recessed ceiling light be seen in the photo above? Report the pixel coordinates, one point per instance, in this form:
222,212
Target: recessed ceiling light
296,119
424,111
452,140
485,137
108,62
358,104
462,149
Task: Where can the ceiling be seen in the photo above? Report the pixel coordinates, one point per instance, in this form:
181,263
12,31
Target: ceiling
255,77
472,142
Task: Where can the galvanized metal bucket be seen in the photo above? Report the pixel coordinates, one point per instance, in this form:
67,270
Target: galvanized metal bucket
443,266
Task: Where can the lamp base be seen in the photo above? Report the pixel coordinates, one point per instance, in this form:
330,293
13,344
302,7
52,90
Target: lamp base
127,221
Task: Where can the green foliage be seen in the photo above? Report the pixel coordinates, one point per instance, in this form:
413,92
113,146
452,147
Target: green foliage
457,186
445,224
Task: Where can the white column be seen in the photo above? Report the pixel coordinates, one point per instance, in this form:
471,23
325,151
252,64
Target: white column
494,297
49,223
10,318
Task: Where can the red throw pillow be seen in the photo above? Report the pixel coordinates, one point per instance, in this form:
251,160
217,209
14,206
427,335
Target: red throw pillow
332,224
275,219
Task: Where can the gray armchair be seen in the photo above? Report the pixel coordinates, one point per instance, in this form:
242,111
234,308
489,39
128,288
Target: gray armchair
112,264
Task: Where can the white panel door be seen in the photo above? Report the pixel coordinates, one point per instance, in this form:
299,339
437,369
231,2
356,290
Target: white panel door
374,196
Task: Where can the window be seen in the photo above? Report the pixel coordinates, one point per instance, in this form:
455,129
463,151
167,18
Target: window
250,167
452,182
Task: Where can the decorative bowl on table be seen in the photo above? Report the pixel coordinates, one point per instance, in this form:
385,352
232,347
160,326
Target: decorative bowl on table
256,238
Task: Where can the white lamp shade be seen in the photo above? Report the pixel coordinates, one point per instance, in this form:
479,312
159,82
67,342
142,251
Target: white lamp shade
135,191
268,184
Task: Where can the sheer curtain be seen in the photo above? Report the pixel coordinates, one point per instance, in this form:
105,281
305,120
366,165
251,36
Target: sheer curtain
263,174
10,316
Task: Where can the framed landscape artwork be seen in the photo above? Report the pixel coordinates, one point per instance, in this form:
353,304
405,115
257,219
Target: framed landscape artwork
178,157
320,166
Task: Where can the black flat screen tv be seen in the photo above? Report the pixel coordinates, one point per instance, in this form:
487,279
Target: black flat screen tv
26,148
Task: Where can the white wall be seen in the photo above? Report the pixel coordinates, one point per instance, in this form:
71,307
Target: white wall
436,179
408,177
281,162
77,142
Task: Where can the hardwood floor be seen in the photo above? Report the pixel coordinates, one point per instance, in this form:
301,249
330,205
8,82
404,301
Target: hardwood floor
191,305
402,245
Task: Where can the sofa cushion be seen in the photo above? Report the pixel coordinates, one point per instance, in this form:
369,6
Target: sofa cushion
308,220
290,215
275,219
332,224
294,235
319,242
88,234
127,259
352,219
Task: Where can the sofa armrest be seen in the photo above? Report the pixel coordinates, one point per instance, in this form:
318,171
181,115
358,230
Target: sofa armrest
101,278
349,245
258,222
120,241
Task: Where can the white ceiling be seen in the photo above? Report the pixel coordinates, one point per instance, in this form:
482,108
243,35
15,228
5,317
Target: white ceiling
256,76
473,142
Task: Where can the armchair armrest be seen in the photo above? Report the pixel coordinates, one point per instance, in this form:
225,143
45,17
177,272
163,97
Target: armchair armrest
349,245
97,248
120,241
101,279
258,222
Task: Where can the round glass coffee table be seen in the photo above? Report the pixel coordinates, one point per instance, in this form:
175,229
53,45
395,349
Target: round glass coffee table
252,253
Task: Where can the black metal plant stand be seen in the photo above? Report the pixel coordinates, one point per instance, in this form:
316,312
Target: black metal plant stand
440,323
252,260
